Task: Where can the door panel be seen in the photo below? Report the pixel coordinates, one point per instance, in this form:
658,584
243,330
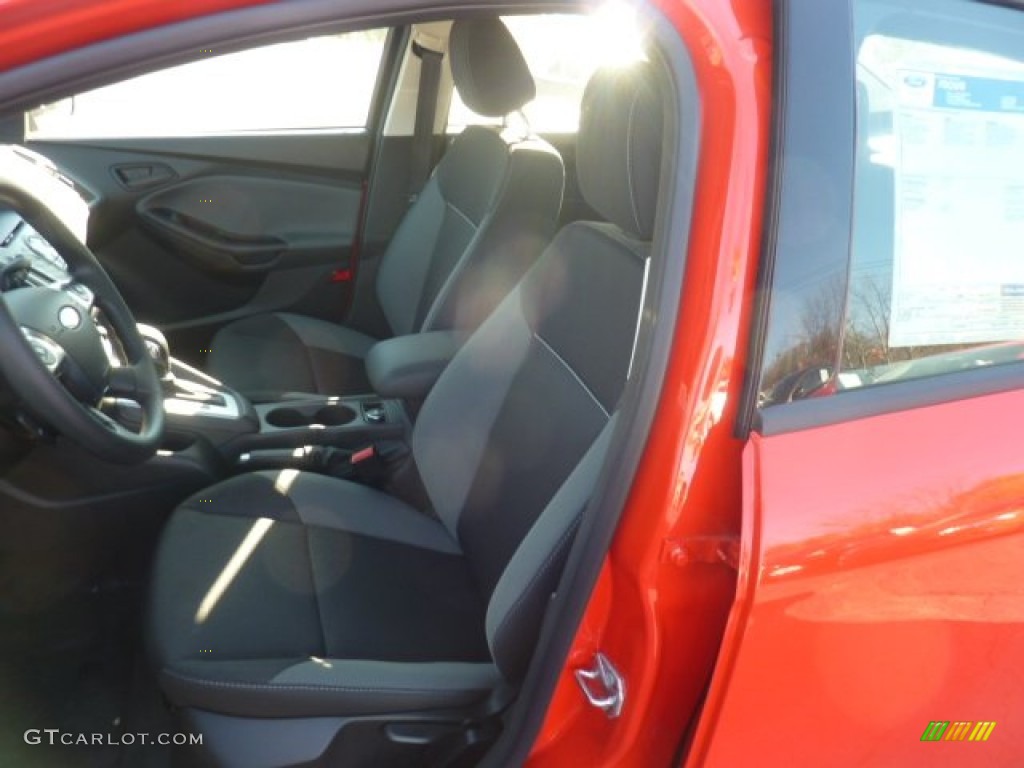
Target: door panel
199,231
244,224
884,590
880,601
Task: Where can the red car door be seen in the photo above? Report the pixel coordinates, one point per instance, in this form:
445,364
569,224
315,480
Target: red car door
878,618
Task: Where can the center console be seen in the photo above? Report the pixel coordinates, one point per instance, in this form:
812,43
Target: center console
206,418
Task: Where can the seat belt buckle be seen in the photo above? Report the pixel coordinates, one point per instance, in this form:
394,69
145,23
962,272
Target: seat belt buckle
369,466
363,455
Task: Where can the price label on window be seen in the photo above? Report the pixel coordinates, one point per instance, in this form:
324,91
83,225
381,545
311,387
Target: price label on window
958,272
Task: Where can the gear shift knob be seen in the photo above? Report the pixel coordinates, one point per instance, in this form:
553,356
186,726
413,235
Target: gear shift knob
156,345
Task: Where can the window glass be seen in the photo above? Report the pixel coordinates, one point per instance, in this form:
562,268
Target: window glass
936,278
562,52
319,83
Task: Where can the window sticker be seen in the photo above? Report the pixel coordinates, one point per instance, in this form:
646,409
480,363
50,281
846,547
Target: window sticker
958,271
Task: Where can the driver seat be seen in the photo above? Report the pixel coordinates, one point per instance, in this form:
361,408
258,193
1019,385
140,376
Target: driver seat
290,610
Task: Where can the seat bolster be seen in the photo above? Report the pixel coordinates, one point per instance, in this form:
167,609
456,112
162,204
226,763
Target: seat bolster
516,227
405,265
523,592
325,687
323,502
452,429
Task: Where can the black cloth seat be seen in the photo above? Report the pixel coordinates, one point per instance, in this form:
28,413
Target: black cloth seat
289,595
307,561
481,221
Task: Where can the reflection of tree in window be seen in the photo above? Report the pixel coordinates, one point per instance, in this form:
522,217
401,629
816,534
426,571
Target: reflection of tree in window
807,363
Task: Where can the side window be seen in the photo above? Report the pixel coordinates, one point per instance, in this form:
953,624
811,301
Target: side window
935,279
937,272
562,51
321,83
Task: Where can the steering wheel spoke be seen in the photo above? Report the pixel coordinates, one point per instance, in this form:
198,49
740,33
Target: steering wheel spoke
82,293
126,382
111,424
50,353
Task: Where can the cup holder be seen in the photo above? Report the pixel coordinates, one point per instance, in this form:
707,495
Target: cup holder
327,416
333,415
286,417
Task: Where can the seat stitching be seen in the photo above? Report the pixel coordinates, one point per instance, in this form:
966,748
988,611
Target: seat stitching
465,216
575,375
310,687
629,159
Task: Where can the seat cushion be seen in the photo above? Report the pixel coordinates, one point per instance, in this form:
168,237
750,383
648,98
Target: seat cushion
267,356
292,594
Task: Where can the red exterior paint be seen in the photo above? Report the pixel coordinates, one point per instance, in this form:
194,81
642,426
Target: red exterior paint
35,29
659,622
885,589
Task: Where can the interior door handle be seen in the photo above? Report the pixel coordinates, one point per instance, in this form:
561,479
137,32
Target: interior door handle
141,175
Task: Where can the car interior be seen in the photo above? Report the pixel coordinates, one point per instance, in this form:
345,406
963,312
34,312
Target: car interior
299,430
483,217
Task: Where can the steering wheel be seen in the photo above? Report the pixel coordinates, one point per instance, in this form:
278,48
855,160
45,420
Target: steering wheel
48,332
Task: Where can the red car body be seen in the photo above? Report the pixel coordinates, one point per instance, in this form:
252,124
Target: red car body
847,584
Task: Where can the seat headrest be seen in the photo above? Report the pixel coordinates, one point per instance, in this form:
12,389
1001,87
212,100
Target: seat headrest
618,151
489,70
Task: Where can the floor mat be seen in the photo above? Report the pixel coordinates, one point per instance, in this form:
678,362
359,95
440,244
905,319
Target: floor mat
69,684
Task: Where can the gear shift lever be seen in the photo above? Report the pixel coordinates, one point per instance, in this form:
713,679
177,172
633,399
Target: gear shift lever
156,345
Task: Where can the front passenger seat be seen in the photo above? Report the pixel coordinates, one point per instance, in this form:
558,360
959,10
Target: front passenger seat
482,219
300,615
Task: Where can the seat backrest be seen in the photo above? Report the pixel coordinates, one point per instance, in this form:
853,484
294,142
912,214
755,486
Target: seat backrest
511,440
490,206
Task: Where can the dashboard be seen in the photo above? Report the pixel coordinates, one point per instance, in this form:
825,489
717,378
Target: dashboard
19,240
27,258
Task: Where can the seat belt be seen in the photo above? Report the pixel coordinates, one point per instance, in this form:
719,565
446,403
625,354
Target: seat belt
426,111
